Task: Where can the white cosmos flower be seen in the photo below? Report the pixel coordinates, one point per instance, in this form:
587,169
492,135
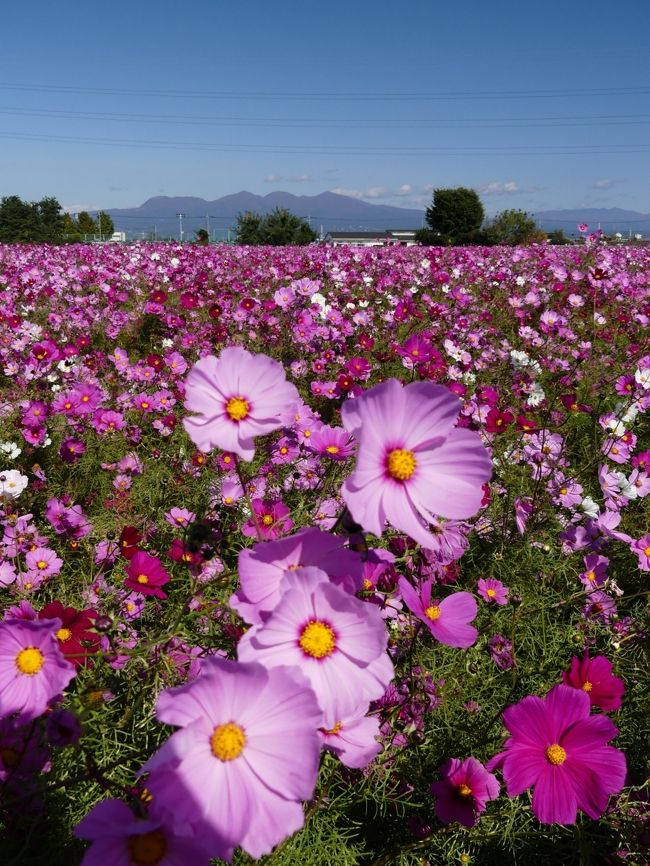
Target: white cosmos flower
589,507
12,483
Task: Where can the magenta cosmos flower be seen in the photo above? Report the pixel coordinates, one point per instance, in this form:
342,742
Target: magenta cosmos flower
32,669
337,641
263,568
594,676
121,839
146,575
412,463
463,791
236,397
447,620
492,590
561,751
246,756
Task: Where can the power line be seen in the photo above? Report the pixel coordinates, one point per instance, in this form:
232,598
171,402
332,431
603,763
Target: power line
320,123
347,150
331,95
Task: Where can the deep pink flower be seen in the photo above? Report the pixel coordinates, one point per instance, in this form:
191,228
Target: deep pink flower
642,550
447,620
463,791
493,590
32,669
594,676
271,520
412,464
236,397
146,575
335,639
121,839
246,756
561,751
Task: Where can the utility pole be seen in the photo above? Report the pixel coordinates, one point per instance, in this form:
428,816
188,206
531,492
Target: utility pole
207,220
180,224
99,221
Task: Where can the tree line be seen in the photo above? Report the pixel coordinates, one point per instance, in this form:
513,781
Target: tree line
43,222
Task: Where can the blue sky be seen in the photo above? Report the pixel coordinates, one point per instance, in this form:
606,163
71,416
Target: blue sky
535,105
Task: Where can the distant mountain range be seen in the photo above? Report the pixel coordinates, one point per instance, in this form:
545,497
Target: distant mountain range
330,211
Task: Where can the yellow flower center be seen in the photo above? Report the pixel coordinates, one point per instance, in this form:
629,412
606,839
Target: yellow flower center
564,490
41,564
432,612
63,634
556,755
148,849
491,592
317,639
267,520
646,550
591,576
401,464
464,791
30,660
332,731
367,584
237,408
142,578
227,742
587,686
332,449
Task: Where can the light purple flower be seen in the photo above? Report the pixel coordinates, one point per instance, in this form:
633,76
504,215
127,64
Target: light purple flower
235,397
492,590
246,756
412,463
447,620
33,670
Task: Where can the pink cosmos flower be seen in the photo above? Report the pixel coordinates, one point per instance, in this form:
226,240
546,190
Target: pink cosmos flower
463,791
595,573
32,668
353,739
493,590
270,520
121,839
642,550
560,750
447,620
264,567
594,676
335,639
236,397
412,463
146,575
246,756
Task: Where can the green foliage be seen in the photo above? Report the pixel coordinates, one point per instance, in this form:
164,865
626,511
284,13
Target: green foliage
30,222
558,237
455,214
512,227
279,228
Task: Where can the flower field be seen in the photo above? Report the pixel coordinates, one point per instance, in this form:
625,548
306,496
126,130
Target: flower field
324,555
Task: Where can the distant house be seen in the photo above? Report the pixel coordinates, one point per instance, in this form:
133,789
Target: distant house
389,237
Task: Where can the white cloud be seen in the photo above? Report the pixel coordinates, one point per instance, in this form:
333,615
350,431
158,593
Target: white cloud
273,178
499,187
607,183
299,178
351,193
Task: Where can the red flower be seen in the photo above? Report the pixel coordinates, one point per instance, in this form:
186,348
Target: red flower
526,424
146,575
76,641
594,676
129,540
497,422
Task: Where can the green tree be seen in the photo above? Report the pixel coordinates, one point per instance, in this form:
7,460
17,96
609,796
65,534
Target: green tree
279,228
19,220
558,237
50,221
512,227
86,225
454,215
105,225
